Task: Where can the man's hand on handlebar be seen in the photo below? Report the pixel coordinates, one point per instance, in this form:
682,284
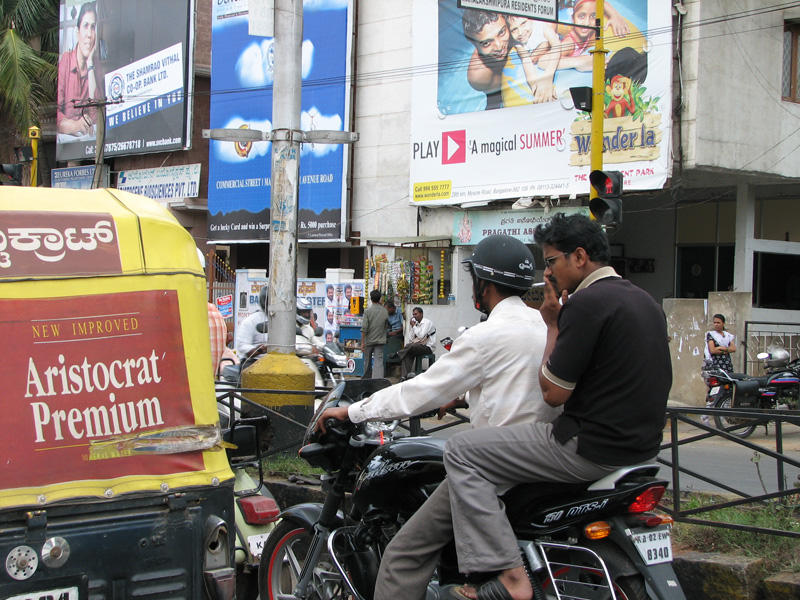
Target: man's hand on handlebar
459,402
338,413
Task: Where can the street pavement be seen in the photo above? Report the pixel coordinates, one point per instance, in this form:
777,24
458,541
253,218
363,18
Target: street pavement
745,469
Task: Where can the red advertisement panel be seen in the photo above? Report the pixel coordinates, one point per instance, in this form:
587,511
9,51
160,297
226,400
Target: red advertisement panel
69,244
89,368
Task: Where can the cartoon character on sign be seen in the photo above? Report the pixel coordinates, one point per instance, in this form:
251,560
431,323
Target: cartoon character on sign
621,102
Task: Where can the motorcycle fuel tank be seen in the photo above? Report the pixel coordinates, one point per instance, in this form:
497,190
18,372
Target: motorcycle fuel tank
401,474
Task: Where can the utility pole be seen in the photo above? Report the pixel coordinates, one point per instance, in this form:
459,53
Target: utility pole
598,93
100,138
286,137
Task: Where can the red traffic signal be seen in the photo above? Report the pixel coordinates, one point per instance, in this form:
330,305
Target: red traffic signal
607,206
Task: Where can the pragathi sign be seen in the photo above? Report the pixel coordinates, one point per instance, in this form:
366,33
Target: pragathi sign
495,119
137,58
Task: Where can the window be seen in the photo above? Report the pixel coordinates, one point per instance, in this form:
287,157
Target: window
790,83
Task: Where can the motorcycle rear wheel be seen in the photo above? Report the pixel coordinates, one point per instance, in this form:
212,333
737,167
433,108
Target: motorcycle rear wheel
723,422
574,580
282,560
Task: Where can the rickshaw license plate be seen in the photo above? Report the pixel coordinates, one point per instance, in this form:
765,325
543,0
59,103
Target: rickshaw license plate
70,593
654,545
256,543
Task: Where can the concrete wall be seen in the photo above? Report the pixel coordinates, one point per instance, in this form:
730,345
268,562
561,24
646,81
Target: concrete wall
734,117
688,320
686,328
383,120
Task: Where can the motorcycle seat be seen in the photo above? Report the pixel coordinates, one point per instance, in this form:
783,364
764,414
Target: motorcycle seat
748,386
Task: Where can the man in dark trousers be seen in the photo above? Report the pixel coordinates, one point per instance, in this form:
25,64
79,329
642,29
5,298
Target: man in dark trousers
373,336
601,337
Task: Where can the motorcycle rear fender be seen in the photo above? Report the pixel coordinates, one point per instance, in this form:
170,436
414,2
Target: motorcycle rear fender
661,581
307,514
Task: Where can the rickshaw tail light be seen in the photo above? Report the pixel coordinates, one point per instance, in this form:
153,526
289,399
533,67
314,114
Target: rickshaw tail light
259,510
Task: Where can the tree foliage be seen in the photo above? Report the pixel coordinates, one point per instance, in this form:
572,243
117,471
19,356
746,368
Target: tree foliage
28,58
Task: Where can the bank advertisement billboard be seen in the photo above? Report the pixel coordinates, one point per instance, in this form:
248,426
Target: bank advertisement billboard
495,118
138,55
241,97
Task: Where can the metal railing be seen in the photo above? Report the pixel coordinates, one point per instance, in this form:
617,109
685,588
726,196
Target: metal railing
230,396
759,336
691,416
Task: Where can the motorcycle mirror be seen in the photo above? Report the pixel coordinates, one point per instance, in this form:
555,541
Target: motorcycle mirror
762,355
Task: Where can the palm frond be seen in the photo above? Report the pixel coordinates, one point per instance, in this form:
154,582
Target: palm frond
27,81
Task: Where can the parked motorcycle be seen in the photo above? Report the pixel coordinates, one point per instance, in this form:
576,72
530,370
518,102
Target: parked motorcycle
255,509
779,389
589,540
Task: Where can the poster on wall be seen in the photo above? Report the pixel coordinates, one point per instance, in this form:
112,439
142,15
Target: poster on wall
241,97
122,373
496,119
138,55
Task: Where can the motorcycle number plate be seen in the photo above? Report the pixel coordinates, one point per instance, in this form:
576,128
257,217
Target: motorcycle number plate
70,593
654,545
256,544
714,390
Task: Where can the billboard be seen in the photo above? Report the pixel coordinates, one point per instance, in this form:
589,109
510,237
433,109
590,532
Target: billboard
139,56
239,177
495,119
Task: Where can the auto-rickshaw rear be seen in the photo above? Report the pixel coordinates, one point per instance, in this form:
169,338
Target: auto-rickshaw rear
113,482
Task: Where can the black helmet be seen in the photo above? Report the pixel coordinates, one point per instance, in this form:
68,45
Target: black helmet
504,260
262,298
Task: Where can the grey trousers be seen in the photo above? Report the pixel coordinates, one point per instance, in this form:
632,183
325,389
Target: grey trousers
376,370
411,557
483,462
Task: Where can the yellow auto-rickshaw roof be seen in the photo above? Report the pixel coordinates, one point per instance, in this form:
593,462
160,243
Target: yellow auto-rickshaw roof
150,239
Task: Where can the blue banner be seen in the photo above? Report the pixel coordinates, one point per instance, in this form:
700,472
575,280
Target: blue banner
241,97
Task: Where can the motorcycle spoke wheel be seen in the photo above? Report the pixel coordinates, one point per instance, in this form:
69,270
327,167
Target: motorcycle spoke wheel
282,561
723,421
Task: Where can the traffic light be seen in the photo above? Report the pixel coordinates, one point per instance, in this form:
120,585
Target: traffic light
12,171
606,208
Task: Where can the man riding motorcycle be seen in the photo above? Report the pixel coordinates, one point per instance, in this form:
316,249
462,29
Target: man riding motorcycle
252,335
601,337
491,362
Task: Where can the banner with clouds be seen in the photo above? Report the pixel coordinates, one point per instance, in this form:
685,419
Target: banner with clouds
241,97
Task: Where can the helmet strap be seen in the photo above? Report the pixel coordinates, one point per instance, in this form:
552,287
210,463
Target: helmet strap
478,290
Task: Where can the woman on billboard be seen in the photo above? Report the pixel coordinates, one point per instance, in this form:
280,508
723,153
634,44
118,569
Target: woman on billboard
78,80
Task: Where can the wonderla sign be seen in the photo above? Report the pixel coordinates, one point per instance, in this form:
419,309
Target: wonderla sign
544,10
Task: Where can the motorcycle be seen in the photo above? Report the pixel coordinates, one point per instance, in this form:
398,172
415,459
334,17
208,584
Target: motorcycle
255,510
779,389
590,540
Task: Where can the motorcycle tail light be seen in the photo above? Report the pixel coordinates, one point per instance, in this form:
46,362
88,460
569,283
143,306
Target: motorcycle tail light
654,520
647,500
597,530
259,510
713,381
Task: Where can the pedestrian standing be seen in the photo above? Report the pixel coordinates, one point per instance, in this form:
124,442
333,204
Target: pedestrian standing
373,336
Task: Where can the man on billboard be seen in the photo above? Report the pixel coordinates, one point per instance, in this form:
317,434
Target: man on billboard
78,79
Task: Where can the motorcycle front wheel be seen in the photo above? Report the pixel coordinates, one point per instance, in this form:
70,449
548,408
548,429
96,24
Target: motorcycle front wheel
282,561
573,579
723,421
